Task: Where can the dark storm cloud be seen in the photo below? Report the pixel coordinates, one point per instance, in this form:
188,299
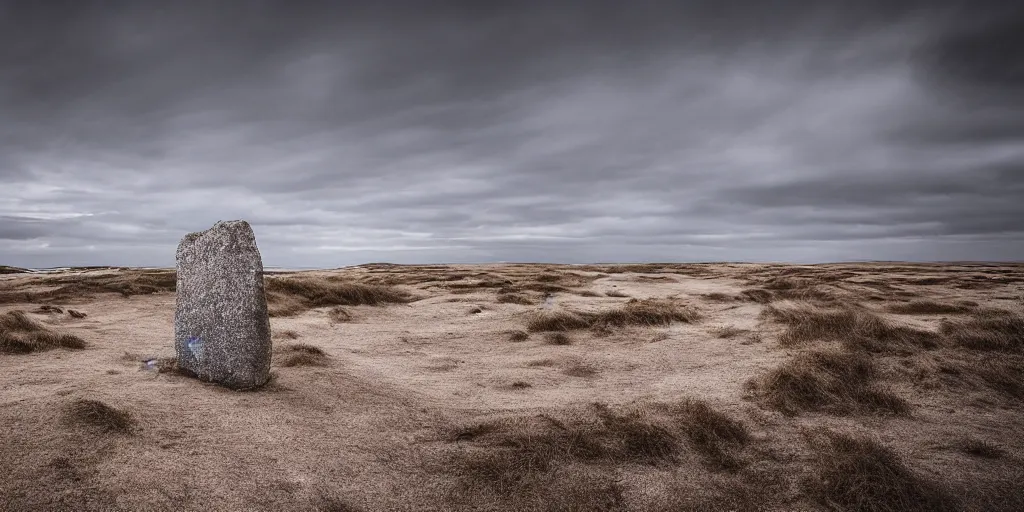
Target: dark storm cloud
471,131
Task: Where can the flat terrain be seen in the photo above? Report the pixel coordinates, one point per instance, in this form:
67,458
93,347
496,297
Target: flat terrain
881,386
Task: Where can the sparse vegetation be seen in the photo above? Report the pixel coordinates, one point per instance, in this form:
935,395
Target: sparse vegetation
76,314
72,286
518,335
557,338
856,328
577,368
858,473
289,296
20,334
339,315
728,332
1000,331
515,298
99,416
648,312
300,354
927,307
835,382
616,293
716,436
980,448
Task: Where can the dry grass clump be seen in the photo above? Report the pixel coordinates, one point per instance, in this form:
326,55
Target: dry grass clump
1001,331
288,296
857,473
339,315
518,335
829,381
300,354
515,298
19,334
76,314
557,338
648,312
615,293
286,334
728,332
715,435
928,307
718,297
98,415
855,328
577,368
980,448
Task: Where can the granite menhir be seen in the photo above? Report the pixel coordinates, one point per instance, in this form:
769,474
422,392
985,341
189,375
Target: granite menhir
221,327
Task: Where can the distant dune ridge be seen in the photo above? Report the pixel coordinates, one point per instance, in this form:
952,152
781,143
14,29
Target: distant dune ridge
650,387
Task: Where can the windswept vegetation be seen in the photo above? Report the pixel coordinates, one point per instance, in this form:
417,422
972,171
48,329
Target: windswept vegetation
859,473
830,381
20,334
647,312
99,416
299,354
76,286
856,328
288,296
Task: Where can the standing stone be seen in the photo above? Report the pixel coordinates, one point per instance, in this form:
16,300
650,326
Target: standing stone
221,327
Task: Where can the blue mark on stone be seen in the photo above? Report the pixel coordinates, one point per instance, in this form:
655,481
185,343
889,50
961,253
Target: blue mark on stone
195,345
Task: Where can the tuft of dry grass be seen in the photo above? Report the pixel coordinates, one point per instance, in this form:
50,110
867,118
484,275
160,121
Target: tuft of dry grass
858,473
999,331
927,307
20,334
515,298
98,415
577,368
339,315
48,309
287,334
300,354
76,314
718,297
855,328
728,332
716,436
616,293
647,312
980,448
518,335
557,338
830,381
322,292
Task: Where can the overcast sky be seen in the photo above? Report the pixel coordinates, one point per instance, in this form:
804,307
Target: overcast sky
475,131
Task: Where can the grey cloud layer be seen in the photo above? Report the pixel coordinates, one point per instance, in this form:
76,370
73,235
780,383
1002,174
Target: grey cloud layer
562,131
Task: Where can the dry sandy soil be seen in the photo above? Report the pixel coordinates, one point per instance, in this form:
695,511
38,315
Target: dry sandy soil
529,387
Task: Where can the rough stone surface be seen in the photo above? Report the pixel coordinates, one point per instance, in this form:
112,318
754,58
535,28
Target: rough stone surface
221,327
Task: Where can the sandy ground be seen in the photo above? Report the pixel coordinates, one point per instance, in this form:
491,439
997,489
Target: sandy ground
365,431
